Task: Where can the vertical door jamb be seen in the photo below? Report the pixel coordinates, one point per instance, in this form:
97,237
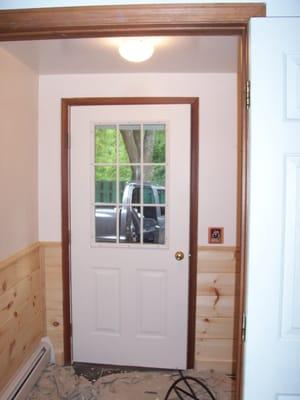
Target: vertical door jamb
242,207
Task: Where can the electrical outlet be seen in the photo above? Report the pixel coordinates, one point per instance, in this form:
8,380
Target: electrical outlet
215,235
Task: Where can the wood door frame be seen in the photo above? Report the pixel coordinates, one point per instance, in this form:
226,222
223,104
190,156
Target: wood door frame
66,106
158,19
127,20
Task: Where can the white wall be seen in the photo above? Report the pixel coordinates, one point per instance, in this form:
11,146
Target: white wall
18,155
218,131
274,7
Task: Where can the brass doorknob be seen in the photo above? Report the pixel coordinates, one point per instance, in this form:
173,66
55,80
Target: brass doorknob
179,255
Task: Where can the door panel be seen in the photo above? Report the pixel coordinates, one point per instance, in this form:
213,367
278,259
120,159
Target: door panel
129,215
108,287
152,314
272,349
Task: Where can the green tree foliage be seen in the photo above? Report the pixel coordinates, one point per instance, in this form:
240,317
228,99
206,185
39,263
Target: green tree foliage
105,144
159,147
106,152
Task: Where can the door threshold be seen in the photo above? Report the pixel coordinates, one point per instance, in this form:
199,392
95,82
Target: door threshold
93,372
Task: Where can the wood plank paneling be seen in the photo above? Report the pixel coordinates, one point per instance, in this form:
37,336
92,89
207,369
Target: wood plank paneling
13,299
221,366
216,284
217,277
215,306
18,270
214,328
215,350
54,296
217,259
21,309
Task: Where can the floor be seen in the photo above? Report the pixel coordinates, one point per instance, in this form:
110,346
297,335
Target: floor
93,382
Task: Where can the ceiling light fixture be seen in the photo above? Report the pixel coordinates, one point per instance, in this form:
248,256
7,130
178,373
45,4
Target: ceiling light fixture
136,49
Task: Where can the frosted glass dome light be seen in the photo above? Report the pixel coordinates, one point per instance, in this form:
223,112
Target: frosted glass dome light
136,49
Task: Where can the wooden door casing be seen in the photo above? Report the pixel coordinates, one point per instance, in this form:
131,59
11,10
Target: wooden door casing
67,104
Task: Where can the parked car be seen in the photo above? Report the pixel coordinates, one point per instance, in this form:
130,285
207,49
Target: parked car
130,216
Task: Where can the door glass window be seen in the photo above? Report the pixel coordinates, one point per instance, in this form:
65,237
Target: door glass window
129,170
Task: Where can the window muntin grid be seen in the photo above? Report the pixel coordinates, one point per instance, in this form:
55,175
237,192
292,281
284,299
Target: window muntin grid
129,178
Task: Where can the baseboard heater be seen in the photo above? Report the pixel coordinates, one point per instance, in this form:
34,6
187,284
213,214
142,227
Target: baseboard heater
21,384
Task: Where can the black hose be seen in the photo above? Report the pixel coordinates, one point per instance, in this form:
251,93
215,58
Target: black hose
191,392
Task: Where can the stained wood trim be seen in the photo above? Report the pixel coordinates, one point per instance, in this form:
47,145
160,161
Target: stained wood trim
128,101
121,20
65,229
15,257
194,179
241,207
66,105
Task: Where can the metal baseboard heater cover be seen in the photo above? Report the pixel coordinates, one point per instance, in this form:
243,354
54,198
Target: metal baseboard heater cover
21,384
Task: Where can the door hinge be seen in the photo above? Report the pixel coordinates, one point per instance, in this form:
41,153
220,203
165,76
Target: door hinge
248,94
244,327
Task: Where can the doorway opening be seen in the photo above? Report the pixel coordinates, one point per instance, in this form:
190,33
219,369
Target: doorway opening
222,134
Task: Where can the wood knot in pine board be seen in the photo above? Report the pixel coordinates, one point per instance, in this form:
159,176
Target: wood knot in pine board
217,293
12,346
8,306
4,285
206,320
55,324
15,314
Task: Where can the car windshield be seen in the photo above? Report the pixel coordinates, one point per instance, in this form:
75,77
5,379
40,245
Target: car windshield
148,195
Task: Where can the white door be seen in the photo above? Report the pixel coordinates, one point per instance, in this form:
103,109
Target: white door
272,348
130,188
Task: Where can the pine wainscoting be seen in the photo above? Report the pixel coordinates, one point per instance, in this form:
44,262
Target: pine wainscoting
22,309
217,290
51,255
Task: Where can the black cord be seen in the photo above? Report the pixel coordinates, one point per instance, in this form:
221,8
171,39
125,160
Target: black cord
191,393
